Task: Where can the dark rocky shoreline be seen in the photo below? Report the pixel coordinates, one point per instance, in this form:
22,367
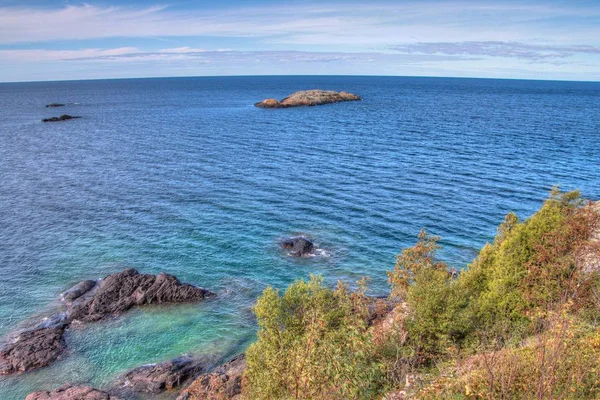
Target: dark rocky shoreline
90,301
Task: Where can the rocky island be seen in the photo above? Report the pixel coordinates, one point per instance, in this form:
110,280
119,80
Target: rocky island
308,98
61,118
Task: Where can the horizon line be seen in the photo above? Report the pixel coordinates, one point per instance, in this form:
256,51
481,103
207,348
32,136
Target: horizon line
300,75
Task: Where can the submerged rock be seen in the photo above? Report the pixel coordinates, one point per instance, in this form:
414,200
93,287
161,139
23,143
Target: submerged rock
156,378
308,98
32,349
61,118
54,105
77,291
225,382
299,246
119,292
69,392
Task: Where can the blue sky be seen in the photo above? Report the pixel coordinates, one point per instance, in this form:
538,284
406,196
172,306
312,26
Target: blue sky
53,40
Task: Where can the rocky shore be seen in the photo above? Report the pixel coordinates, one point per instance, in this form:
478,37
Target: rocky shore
90,301
71,392
222,383
308,98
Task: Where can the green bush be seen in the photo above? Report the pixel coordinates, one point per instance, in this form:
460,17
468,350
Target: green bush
529,270
525,310
312,343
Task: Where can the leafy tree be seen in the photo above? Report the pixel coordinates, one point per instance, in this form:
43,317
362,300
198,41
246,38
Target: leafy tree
312,344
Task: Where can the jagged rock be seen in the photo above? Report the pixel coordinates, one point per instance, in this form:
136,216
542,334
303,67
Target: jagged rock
121,291
54,105
69,392
32,349
89,301
156,378
61,118
298,245
77,291
225,382
308,98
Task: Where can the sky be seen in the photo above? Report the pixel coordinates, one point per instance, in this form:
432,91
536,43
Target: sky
63,40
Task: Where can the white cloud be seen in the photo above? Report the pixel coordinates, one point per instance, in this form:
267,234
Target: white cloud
128,54
309,24
47,55
533,52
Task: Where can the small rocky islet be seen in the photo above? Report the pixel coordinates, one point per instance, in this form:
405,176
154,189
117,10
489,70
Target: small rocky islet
298,246
63,117
313,97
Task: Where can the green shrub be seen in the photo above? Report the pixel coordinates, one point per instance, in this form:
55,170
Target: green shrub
312,344
502,297
520,322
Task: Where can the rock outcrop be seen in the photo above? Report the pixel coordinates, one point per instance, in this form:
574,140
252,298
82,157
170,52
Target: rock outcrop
308,98
89,301
119,292
298,246
156,378
64,117
224,383
32,349
69,392
54,105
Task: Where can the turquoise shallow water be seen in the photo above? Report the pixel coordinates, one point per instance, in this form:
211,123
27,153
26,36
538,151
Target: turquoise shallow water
186,176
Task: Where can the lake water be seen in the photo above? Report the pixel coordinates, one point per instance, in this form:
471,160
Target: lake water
184,175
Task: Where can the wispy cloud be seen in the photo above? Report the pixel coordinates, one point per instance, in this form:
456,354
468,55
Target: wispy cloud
307,23
127,54
534,52
454,37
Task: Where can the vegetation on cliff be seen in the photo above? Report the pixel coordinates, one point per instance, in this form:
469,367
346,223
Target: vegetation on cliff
521,321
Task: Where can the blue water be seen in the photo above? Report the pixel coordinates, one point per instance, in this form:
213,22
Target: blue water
186,176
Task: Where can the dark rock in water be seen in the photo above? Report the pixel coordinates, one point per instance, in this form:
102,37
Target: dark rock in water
308,98
156,378
32,349
77,291
54,105
121,291
90,301
299,246
225,382
69,392
61,118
